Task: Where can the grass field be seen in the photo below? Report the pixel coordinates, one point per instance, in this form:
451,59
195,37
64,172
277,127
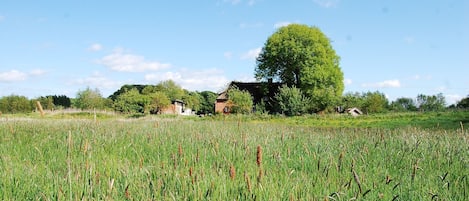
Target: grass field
74,157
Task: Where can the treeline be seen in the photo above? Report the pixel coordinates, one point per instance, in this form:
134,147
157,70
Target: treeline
21,104
290,101
376,102
129,99
151,99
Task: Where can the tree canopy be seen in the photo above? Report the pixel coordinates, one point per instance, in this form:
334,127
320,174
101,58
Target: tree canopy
89,99
54,102
15,104
154,98
302,56
171,89
374,102
291,101
431,102
403,104
369,102
463,103
239,101
131,101
207,102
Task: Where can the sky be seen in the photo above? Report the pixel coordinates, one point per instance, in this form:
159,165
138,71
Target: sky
400,48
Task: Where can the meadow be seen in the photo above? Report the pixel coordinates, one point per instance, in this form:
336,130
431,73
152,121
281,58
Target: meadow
234,158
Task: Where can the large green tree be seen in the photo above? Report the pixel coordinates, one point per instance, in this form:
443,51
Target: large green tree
158,101
90,99
207,102
302,56
131,102
171,89
375,102
431,102
191,100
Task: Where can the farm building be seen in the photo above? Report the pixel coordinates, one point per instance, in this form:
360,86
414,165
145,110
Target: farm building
260,91
354,111
177,107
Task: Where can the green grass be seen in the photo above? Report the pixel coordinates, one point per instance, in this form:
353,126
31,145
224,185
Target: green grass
428,120
189,159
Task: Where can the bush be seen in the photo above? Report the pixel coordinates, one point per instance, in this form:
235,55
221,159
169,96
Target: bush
239,101
15,104
291,101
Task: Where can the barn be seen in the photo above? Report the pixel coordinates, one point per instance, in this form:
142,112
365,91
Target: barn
260,91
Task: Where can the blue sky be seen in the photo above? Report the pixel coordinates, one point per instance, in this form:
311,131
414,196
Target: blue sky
401,48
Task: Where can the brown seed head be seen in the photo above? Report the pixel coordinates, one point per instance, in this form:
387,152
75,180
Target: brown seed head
259,156
180,150
232,172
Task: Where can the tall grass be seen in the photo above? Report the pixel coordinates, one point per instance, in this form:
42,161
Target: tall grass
177,159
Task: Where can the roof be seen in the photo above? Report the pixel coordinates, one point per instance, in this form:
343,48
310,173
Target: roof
258,90
354,111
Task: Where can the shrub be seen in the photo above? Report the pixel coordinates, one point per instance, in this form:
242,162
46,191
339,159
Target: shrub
291,101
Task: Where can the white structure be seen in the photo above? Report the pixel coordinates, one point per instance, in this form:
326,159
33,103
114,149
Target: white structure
354,111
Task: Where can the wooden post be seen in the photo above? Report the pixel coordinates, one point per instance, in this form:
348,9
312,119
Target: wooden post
39,106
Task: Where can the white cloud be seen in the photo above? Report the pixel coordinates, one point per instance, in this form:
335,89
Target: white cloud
228,55
37,72
282,24
453,98
157,77
251,54
97,80
384,84
122,62
327,3
347,82
419,77
16,75
95,47
13,76
440,89
2,18
208,79
245,78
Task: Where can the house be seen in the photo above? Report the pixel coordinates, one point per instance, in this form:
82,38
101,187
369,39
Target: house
176,107
260,91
